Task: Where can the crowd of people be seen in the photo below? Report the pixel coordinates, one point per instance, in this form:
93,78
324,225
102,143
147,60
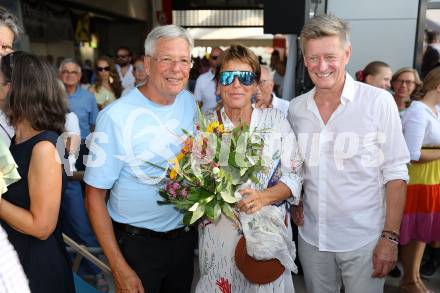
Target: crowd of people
360,180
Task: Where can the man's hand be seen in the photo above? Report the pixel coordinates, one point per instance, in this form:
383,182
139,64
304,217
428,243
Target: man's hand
384,258
298,214
126,280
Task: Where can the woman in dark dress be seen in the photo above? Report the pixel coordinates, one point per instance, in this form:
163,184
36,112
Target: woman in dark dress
29,211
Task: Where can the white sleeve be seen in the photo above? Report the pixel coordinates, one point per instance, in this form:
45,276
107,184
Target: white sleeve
12,277
72,124
414,126
198,89
291,161
395,151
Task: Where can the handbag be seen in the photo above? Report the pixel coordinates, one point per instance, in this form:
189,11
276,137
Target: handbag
256,271
259,271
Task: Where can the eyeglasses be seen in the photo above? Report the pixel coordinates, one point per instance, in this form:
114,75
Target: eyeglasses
264,81
213,57
123,56
406,82
106,68
245,77
67,72
183,63
139,68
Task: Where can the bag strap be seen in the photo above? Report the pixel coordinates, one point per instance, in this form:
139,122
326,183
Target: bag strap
219,117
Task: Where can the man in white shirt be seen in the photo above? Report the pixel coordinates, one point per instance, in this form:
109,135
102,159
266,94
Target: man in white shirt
12,277
125,69
205,84
265,95
355,171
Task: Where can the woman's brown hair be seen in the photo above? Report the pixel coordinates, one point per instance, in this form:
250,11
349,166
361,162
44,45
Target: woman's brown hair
35,94
241,53
431,82
116,84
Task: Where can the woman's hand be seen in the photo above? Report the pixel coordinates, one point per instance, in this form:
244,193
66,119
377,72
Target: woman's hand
298,214
253,200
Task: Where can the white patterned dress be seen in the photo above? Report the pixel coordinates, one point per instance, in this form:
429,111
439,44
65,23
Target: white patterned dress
217,241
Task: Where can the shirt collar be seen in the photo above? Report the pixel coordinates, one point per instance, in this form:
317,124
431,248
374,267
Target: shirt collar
346,96
76,93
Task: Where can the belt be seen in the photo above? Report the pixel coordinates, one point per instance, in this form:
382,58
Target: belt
150,233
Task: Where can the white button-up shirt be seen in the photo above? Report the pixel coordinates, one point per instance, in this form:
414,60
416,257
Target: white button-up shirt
12,277
205,91
280,104
421,127
347,163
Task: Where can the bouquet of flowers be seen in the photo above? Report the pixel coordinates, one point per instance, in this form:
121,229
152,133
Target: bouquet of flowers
8,168
204,176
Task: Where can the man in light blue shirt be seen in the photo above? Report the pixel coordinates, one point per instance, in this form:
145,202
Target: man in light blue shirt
145,243
81,101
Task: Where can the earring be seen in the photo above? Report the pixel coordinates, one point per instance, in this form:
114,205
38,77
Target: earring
111,80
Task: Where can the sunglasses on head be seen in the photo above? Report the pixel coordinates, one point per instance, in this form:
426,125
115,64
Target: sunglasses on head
245,77
106,68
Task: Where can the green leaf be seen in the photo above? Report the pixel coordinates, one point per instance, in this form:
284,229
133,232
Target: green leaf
217,211
197,214
253,178
228,211
187,218
155,165
228,196
209,211
207,199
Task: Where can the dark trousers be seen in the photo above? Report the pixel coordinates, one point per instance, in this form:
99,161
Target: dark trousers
163,265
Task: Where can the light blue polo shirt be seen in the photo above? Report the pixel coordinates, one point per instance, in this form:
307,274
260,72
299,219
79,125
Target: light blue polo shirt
83,104
129,133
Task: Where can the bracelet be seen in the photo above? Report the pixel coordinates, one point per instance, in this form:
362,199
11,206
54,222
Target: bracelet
391,232
391,239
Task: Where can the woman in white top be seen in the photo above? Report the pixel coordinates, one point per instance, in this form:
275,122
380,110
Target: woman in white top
404,83
421,219
237,77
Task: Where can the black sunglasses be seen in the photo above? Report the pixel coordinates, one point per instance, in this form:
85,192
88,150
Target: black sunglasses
245,77
106,68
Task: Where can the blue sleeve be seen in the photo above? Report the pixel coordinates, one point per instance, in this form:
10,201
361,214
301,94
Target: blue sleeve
104,163
94,110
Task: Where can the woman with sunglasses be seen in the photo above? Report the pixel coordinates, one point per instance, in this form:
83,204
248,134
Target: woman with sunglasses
108,86
29,210
237,79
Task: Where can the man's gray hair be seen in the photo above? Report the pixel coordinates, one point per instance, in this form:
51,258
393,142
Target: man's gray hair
325,25
9,20
166,31
268,70
67,61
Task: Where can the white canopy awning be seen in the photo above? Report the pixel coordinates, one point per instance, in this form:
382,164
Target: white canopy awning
433,19
248,36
